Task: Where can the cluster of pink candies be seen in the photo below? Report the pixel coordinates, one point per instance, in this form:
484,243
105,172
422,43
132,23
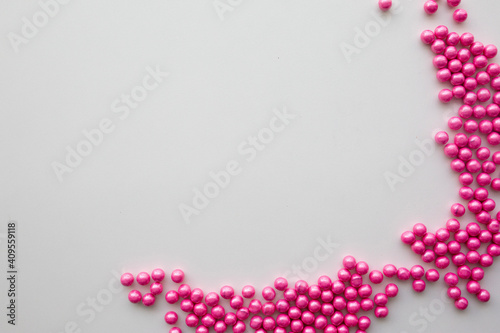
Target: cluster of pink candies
331,306
459,15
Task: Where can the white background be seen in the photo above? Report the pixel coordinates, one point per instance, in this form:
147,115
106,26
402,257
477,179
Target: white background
321,177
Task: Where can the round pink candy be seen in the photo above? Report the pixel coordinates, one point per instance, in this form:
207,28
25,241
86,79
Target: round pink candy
376,276
384,5
427,36
430,7
460,15
127,279
177,275
134,296
148,299
143,278
431,275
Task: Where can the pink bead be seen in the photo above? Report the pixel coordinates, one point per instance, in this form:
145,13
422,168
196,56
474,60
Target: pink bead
458,92
256,322
367,304
454,123
459,259
477,274
350,320
302,301
230,319
470,98
391,290
344,275
148,299
350,293
460,15
418,247
314,292
427,36
463,55
449,53
381,312
451,150
186,305
280,283
283,306
464,272
177,275
380,299
496,98
417,272
327,309
307,317
483,153
364,323
461,236
481,194
483,295
486,260
495,84
472,257
212,299
475,206
441,32
453,39
485,236
403,274
473,243
269,308
493,69
470,126
418,285
455,66
376,277
353,306
483,179
172,296
489,167
494,227
171,317
217,312
255,306
384,5
452,225
184,290
156,288
356,280
453,3
143,278
301,286
192,320
239,327
465,192
443,75
467,39
480,61
324,282
419,229
428,256
365,291
454,247
158,274
473,287
283,320
390,270
220,327
429,239
442,262
457,165
297,326
431,275
362,268
320,322
440,61
227,292
476,48
268,324
337,318
290,294
236,302
175,330
134,296
495,184
454,293
483,95
440,249
441,137
483,78
461,303
127,279
349,262
438,46
201,329
338,287
457,210
465,154
330,329
197,295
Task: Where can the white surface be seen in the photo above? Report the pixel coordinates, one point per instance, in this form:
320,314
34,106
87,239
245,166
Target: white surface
321,177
